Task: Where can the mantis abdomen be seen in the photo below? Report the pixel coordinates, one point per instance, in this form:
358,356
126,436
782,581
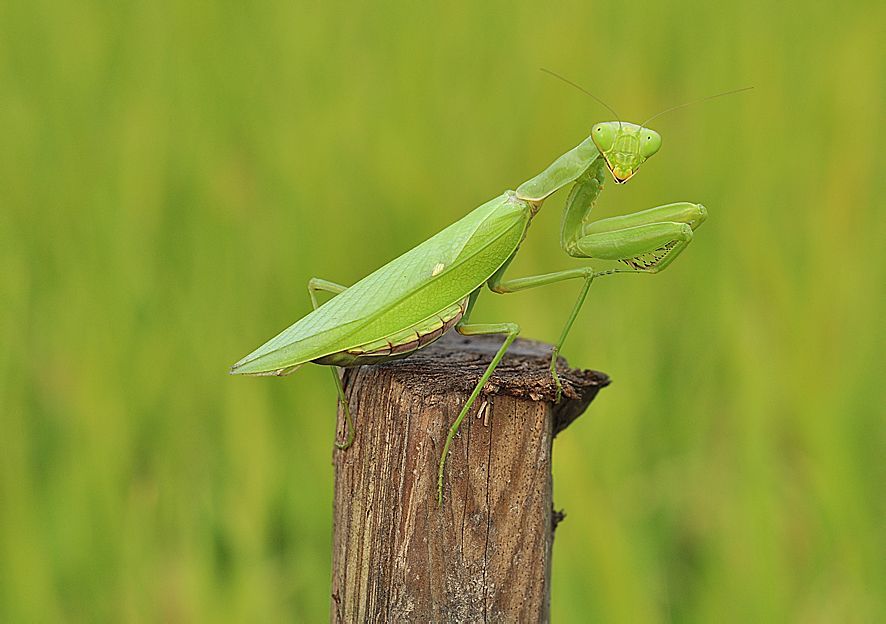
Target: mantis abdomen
405,294
402,343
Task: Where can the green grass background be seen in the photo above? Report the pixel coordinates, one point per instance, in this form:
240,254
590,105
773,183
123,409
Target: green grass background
172,174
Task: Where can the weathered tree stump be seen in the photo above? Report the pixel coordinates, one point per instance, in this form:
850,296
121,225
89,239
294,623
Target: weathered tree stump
485,555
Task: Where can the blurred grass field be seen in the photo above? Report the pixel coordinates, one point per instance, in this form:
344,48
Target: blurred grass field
173,173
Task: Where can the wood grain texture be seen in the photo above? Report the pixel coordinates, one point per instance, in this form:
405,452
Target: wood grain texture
485,556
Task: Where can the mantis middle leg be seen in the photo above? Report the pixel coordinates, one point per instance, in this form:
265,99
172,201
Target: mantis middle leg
315,285
498,285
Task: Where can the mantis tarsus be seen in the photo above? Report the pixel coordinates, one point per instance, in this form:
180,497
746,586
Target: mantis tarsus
431,289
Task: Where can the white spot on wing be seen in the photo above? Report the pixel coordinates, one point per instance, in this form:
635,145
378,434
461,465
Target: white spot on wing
438,268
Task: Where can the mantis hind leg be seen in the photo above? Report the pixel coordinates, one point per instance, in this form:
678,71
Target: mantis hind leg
315,285
510,330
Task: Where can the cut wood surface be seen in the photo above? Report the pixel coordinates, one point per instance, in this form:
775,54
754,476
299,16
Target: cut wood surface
485,555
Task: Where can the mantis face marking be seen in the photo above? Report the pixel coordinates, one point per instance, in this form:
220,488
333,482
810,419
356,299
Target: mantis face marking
624,146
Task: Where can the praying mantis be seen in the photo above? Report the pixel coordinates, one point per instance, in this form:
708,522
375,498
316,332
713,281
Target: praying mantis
431,289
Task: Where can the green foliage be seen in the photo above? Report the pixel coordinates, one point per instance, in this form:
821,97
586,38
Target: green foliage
173,173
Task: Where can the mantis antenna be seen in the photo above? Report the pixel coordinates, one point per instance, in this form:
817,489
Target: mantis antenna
690,103
585,91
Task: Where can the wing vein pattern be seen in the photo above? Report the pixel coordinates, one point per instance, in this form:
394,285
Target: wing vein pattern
426,279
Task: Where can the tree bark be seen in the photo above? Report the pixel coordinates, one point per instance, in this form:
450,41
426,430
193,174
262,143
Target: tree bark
485,555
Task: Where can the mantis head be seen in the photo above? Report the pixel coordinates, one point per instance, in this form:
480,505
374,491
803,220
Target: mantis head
624,146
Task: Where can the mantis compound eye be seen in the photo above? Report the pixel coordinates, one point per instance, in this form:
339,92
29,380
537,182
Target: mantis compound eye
650,143
603,135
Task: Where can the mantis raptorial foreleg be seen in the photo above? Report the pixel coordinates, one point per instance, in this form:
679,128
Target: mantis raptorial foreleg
510,330
646,241
315,285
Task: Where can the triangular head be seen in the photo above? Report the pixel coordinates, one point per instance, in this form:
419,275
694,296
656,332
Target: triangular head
624,146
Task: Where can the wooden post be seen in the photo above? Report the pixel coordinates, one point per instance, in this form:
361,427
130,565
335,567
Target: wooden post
485,556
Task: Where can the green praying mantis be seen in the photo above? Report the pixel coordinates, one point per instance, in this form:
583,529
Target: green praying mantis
431,289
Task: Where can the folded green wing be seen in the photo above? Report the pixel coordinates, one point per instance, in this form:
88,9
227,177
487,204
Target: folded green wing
434,275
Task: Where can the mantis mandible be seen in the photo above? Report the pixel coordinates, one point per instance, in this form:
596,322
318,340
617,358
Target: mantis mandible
431,289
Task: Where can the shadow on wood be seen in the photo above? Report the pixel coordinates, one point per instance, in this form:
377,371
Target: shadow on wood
485,555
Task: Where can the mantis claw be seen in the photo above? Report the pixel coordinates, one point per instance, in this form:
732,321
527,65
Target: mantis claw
439,490
557,383
351,434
